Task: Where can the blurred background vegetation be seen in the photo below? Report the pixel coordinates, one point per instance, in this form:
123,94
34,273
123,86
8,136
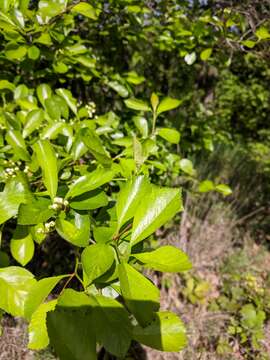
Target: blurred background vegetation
213,56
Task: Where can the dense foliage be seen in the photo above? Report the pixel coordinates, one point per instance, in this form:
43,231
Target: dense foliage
92,140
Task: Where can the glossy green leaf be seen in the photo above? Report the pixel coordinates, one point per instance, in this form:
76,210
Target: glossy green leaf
15,52
142,125
5,84
140,295
205,54
33,52
15,139
262,33
223,189
33,121
35,212
37,330
90,182
16,192
112,325
15,283
39,292
75,230
137,104
56,107
69,99
48,162
206,185
161,206
187,167
44,91
129,198
166,259
166,333
103,234
90,200
119,88
95,146
96,260
167,104
171,135
85,9
22,245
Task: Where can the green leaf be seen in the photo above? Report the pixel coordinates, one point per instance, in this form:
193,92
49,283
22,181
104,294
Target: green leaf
56,107
103,234
166,333
36,212
37,330
166,258
33,120
129,198
161,206
22,245
89,200
205,54
137,104
90,181
96,260
15,283
171,135
69,99
85,9
72,333
15,193
112,325
15,139
48,162
49,9
44,91
262,33
187,166
119,88
142,125
249,43
75,230
39,292
140,295
5,84
33,52
168,104
206,185
95,146
223,189
15,52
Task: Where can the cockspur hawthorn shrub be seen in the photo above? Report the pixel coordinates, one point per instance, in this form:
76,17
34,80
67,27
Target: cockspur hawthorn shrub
60,174
90,180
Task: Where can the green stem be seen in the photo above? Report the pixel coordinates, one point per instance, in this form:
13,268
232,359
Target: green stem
154,123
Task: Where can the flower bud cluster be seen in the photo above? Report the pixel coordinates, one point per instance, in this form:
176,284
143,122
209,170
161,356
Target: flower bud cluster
59,204
91,108
48,227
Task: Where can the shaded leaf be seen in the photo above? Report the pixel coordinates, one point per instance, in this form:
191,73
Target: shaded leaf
166,333
96,260
140,295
